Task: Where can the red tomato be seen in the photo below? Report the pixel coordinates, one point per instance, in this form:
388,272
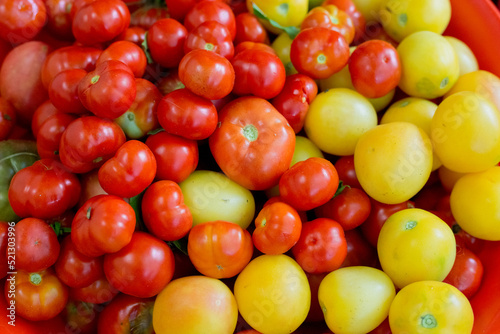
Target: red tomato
319,52
309,183
321,247
165,146
146,15
123,314
249,28
36,245
277,228
329,16
75,269
22,20
8,118
375,68
211,36
109,90
357,18
128,53
165,40
88,142
45,111
43,190
130,171
259,73
207,73
219,249
59,18
188,115
204,11
100,21
164,212
170,82
104,224
37,296
98,292
63,91
359,250
467,272
254,46
254,144
346,171
49,135
142,268
350,208
294,99
90,187
133,34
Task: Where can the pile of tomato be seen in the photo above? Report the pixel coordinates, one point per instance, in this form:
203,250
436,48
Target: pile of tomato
247,166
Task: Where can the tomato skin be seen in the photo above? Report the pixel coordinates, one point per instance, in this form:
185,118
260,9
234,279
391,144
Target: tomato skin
466,273
104,224
212,36
38,296
359,250
219,249
88,142
253,45
347,174
166,40
164,212
98,292
248,28
329,16
75,269
309,183
59,19
128,53
36,245
22,20
258,73
319,52
7,118
204,11
49,135
207,74
142,268
358,19
252,148
165,146
63,91
321,247
186,114
100,21
146,15
44,190
123,312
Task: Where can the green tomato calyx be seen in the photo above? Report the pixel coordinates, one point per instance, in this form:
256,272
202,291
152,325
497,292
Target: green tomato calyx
35,278
250,132
410,225
94,79
428,321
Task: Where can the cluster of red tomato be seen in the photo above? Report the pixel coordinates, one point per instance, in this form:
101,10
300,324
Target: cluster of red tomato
203,167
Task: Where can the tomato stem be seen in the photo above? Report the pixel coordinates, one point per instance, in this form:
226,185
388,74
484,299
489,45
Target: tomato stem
35,278
94,79
250,132
428,321
410,225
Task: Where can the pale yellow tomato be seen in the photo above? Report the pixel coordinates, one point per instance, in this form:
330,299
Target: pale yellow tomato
482,82
287,13
448,178
212,196
281,45
401,18
465,132
337,118
393,161
195,304
416,245
429,65
355,299
430,307
417,111
369,9
475,203
466,59
273,294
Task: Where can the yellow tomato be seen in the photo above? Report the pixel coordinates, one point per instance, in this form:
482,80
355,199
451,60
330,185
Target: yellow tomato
416,111
416,245
466,59
430,307
281,46
195,304
287,13
429,65
475,203
213,196
337,118
482,82
273,294
465,133
369,9
401,18
355,299
393,161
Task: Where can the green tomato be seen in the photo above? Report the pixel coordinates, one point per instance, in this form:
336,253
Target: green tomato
355,299
213,196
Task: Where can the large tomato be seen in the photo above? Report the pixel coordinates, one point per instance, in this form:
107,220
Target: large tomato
253,144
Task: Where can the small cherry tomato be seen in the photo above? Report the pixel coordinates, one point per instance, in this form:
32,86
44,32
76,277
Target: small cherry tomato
211,36
165,40
204,11
128,53
21,21
467,272
347,174
331,17
248,28
98,292
63,91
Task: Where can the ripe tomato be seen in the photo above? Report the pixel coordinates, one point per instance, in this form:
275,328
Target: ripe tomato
128,53
63,91
165,40
277,228
204,11
219,249
164,212
467,272
7,118
104,224
59,19
213,36
466,59
49,134
321,247
98,292
252,148
142,268
285,13
354,10
331,17
147,14
21,21
248,28
346,171
44,190
36,245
